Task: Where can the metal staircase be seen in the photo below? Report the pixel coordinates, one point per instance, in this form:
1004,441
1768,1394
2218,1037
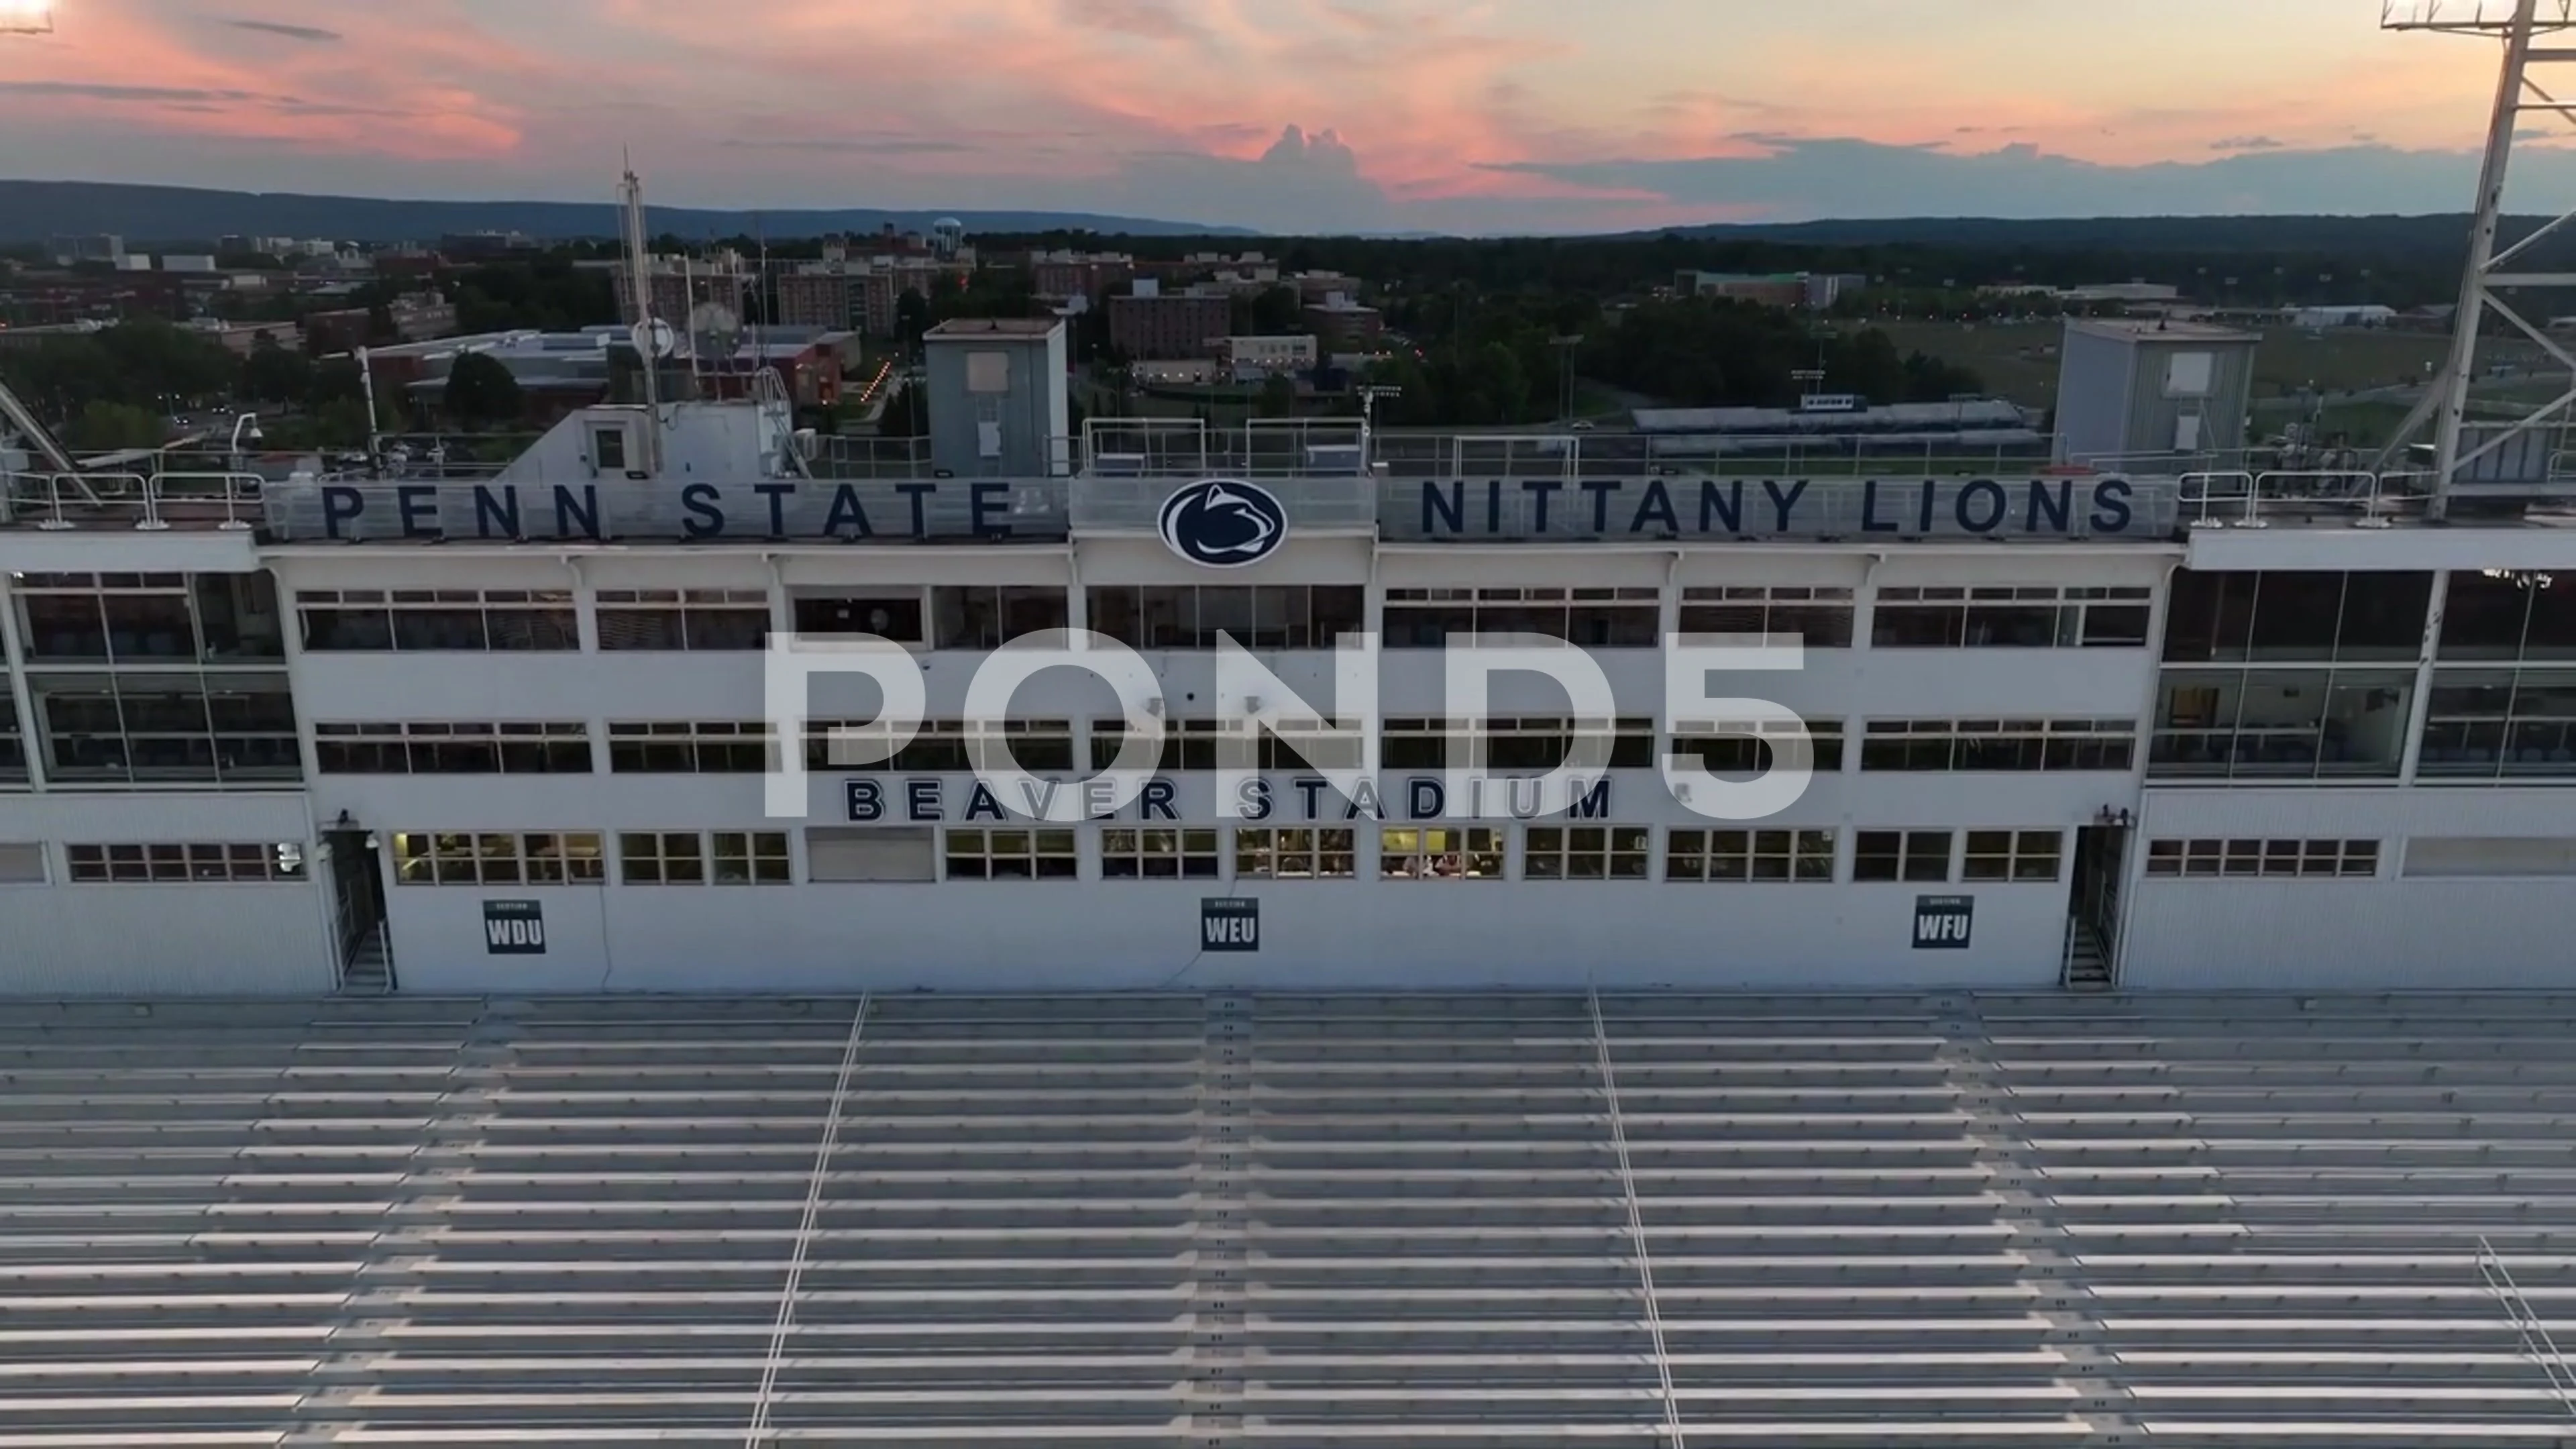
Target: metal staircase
2088,962
370,971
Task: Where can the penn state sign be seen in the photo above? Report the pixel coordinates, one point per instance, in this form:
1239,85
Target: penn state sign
1226,522
1223,523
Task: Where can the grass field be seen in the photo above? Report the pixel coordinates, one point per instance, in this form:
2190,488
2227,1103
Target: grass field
2019,361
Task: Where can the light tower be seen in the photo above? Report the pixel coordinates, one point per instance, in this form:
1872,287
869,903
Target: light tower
2521,452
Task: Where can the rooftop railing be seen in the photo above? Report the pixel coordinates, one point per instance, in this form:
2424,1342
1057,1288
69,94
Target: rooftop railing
1329,448
58,502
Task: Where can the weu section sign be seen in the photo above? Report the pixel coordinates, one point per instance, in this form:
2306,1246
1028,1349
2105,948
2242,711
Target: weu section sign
1513,508
1229,923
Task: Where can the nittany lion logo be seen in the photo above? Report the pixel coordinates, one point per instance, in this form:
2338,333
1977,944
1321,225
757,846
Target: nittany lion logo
1223,523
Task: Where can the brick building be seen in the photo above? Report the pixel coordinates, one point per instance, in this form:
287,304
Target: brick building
1151,324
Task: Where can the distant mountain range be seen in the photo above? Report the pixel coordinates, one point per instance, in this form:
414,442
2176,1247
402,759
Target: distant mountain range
31,211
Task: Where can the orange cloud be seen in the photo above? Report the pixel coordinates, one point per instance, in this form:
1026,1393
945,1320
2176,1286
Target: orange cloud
1060,103
353,85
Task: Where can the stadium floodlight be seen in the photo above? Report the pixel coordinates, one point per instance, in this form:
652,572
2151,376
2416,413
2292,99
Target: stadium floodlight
2459,449
26,17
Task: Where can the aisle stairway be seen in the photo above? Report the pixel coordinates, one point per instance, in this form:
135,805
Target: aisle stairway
1870,1222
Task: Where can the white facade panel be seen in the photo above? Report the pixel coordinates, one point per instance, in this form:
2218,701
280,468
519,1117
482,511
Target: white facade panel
123,550
898,567
527,687
105,816
2091,566
2382,549
2389,813
1537,567
1130,935
464,568
1302,559
2370,935
165,939
91,939
2353,934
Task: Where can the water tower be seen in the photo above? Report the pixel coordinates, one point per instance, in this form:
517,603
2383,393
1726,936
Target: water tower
947,235
2524,452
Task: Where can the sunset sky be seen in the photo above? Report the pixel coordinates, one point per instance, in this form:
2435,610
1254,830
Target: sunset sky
1288,115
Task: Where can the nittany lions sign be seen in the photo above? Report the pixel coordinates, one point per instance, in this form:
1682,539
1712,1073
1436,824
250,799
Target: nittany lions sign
1223,523
1227,522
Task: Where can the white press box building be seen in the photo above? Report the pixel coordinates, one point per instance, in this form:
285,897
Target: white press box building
2151,715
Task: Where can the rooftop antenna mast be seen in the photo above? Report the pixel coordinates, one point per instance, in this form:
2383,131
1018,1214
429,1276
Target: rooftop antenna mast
653,336
2527,28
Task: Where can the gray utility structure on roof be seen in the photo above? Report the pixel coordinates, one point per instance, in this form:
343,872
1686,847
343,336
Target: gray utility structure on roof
2207,1223
996,395
2174,392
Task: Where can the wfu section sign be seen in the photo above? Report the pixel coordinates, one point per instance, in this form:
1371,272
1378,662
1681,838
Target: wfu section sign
514,928
1229,923
1942,923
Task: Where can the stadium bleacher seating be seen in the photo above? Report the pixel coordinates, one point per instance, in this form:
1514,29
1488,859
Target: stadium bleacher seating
1867,1222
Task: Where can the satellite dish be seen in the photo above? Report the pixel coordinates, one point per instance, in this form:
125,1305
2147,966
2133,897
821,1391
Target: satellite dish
653,337
714,331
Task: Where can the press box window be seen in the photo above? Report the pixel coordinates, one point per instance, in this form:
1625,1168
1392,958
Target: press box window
894,615
498,858
2014,855
1804,857
2251,859
1158,855
188,864
1408,852
1011,855
1919,856
1261,853
1586,852
753,857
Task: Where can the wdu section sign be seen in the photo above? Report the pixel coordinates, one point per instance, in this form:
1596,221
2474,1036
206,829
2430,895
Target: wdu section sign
514,928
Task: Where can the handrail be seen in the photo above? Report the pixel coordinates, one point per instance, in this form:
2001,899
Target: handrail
2240,499
60,501
1636,1222
2536,1342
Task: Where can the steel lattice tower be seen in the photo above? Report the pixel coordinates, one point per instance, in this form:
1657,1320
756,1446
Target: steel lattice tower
2529,30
